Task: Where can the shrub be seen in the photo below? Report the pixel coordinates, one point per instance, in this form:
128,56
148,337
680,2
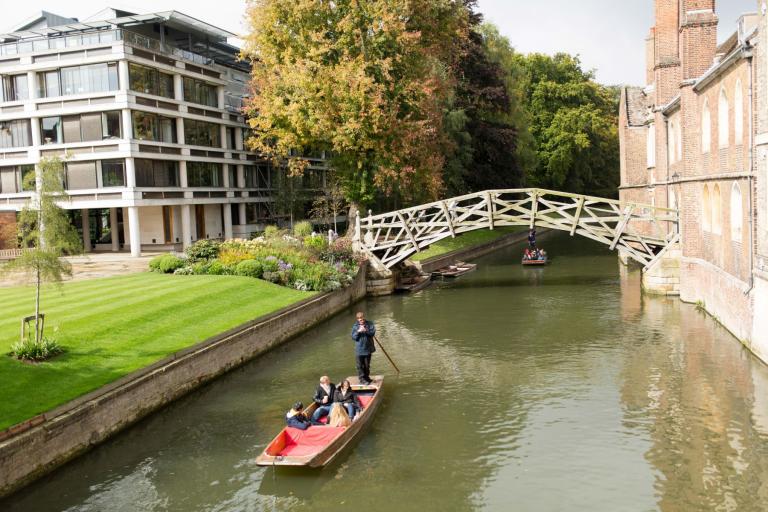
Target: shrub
217,268
302,229
165,263
317,243
184,271
249,268
28,350
203,250
233,255
200,268
272,277
269,264
271,232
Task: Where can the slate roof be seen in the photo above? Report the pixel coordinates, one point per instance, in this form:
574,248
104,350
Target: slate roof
637,106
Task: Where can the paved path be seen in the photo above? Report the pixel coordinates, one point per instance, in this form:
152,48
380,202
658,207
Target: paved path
92,266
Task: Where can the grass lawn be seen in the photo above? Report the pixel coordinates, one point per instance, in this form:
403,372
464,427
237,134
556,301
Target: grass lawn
113,326
469,239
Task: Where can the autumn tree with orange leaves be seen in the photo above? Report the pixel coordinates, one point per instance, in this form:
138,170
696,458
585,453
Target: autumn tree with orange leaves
366,80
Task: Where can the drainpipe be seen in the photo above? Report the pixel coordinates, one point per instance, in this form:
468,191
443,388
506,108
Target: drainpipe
750,178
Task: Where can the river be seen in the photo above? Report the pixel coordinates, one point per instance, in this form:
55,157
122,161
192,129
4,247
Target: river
544,389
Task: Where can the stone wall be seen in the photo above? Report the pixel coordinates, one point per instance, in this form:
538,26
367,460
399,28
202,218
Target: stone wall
33,448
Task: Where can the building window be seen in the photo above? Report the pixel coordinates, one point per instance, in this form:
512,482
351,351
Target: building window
231,138
48,84
736,216
204,174
651,146
113,173
89,79
15,179
14,88
15,134
197,91
150,81
81,175
706,128
251,176
202,133
110,125
717,211
706,221
51,130
738,115
723,128
156,173
154,127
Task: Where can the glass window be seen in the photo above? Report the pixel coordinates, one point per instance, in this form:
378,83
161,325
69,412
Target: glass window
15,134
197,91
147,126
48,84
88,79
204,174
51,130
9,180
90,126
150,81
113,173
202,133
231,138
27,184
251,178
110,125
15,88
156,173
40,45
232,173
81,175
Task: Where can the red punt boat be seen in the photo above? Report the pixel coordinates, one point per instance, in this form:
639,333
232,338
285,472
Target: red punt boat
319,444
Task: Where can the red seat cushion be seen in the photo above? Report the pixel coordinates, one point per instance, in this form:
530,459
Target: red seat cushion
365,400
310,441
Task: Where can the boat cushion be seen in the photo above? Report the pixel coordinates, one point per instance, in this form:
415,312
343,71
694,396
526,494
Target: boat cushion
365,400
310,441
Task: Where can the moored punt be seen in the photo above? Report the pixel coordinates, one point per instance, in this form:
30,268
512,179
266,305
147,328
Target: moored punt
319,444
415,284
459,269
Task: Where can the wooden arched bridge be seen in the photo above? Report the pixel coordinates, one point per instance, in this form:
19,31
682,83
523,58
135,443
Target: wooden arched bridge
643,232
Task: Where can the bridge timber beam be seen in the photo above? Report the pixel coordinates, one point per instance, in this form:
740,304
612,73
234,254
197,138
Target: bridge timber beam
642,231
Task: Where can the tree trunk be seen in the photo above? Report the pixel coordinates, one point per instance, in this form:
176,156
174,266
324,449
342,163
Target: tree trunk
37,309
354,209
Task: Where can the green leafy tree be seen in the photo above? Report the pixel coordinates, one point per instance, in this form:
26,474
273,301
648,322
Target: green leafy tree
330,203
45,232
366,80
573,123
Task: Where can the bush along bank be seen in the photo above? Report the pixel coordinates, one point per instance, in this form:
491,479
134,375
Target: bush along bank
305,262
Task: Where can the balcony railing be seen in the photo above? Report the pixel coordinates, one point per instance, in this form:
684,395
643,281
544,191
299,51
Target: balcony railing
99,37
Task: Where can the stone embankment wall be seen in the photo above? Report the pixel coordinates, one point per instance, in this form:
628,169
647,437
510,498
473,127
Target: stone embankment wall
33,448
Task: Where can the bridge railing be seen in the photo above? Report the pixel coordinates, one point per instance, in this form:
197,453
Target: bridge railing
642,230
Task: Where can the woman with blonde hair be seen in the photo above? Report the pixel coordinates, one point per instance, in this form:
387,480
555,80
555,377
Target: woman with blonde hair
339,417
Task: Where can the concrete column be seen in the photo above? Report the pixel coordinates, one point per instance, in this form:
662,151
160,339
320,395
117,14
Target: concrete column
223,136
180,130
134,230
32,85
227,221
130,172
123,75
239,138
240,176
241,213
178,87
225,170
127,123
183,181
186,226
220,91
34,123
86,230
113,229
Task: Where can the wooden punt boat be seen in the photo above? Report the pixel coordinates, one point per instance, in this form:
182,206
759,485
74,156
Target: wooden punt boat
415,284
535,262
319,444
459,269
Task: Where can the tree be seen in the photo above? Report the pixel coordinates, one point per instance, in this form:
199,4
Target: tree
45,232
574,125
330,203
364,80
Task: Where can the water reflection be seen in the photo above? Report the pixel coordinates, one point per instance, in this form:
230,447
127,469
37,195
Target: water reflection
562,388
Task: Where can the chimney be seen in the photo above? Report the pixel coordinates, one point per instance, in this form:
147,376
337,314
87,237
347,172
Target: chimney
698,37
650,57
667,48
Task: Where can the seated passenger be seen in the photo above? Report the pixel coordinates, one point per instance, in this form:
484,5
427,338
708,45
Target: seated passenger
295,417
339,416
323,398
346,397
527,254
543,254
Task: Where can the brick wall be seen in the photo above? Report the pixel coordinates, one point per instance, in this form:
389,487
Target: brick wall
7,230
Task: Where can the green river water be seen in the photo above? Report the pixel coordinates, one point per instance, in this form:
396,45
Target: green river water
530,389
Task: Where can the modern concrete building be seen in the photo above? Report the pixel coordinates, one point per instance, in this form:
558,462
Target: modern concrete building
695,138
146,111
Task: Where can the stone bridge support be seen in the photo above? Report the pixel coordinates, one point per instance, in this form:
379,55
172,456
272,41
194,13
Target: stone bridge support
662,277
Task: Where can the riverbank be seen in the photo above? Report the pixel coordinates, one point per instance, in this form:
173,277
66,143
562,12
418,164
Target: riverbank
465,241
111,327
33,448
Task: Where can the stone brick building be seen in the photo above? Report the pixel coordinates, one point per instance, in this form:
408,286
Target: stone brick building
695,137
